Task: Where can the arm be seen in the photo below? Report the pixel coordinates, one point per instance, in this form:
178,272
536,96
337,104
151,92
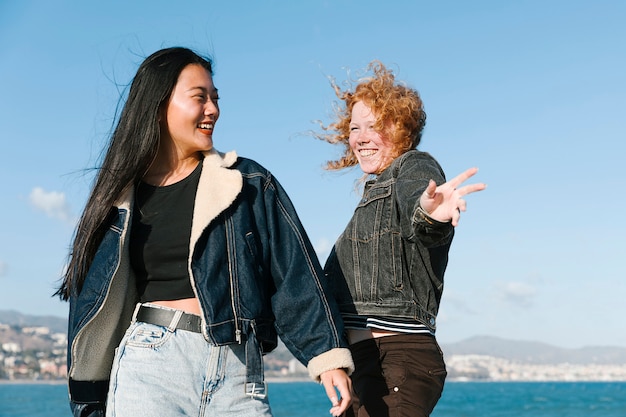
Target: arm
316,339
414,171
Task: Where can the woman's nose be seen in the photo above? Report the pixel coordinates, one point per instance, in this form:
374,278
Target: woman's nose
210,108
362,138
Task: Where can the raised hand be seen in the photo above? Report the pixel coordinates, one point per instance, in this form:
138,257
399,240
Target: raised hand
445,202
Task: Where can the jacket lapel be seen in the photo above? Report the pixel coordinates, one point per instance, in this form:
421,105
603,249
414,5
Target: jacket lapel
218,188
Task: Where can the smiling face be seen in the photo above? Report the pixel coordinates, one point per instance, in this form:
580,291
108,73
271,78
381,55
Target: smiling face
191,112
371,148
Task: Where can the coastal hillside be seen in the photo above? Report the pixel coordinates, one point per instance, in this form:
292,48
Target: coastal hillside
35,348
13,318
536,352
530,352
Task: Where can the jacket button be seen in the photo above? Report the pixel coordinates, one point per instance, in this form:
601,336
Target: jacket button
432,321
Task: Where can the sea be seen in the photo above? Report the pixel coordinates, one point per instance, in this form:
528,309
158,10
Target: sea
460,399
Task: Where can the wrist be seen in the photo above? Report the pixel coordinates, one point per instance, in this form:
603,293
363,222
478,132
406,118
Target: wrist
426,217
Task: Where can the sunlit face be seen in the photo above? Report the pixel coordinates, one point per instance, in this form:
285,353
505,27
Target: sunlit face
191,112
371,149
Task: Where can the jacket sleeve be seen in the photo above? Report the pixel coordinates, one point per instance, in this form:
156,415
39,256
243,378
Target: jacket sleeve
87,410
337,358
307,317
88,398
413,174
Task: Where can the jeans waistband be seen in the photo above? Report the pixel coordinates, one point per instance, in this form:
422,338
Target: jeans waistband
170,318
176,319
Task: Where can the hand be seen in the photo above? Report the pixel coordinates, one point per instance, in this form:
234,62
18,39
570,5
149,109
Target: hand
337,378
444,203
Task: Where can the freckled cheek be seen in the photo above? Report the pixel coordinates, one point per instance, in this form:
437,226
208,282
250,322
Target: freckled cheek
352,141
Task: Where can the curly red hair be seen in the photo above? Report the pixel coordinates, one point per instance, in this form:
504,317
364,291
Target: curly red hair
399,112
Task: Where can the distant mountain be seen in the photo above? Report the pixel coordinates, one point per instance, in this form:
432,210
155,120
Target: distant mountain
536,352
13,318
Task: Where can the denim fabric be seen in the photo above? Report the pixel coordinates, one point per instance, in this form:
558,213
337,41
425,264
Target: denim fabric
252,266
390,261
157,372
397,376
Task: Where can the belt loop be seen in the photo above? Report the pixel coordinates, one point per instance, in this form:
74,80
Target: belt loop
255,380
174,323
137,307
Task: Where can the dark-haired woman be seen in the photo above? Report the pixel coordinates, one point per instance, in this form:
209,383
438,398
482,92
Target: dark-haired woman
187,263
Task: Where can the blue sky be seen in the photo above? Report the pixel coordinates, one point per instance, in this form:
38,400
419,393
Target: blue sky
531,92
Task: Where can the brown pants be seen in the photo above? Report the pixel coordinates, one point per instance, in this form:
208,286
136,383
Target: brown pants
397,376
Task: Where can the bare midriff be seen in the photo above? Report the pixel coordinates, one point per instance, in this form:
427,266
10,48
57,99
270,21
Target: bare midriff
358,335
188,305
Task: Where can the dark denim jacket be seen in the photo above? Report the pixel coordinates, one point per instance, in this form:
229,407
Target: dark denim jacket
253,269
391,258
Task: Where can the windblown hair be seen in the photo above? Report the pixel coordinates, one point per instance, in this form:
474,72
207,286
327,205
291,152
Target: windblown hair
398,109
132,148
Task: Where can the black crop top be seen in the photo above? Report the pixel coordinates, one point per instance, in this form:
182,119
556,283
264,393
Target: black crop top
159,238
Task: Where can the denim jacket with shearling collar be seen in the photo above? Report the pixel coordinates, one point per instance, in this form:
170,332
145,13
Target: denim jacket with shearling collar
252,268
391,258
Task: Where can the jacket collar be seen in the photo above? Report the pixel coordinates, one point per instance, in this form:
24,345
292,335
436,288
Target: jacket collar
218,187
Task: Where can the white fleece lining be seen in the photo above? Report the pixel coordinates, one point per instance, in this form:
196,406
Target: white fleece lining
94,346
217,189
337,358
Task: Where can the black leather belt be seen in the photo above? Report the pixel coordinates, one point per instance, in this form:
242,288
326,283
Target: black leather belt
163,317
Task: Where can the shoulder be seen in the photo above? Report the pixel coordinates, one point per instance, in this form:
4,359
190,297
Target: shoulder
415,156
215,159
419,161
251,170
247,165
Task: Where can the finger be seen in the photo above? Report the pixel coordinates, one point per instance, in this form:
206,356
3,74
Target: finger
341,407
431,189
461,205
333,385
345,390
330,392
455,217
471,188
463,176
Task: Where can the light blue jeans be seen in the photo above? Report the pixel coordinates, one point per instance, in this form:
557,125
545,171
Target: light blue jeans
157,372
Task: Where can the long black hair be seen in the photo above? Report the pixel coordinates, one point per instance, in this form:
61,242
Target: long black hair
132,148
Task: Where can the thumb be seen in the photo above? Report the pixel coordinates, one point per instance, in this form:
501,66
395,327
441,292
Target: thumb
431,188
428,195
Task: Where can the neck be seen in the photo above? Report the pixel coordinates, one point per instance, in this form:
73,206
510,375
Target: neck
166,172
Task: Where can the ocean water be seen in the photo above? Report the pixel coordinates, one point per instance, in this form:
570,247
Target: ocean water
460,399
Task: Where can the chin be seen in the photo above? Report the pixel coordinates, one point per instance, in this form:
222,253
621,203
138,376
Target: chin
370,168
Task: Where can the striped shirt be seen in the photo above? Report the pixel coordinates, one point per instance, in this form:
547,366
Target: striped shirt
394,324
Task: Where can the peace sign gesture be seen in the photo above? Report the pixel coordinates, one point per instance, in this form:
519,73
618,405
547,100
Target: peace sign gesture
445,203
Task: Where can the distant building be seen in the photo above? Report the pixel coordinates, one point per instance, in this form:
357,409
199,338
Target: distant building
11,347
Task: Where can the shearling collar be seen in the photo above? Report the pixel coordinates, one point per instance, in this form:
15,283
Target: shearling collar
218,187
